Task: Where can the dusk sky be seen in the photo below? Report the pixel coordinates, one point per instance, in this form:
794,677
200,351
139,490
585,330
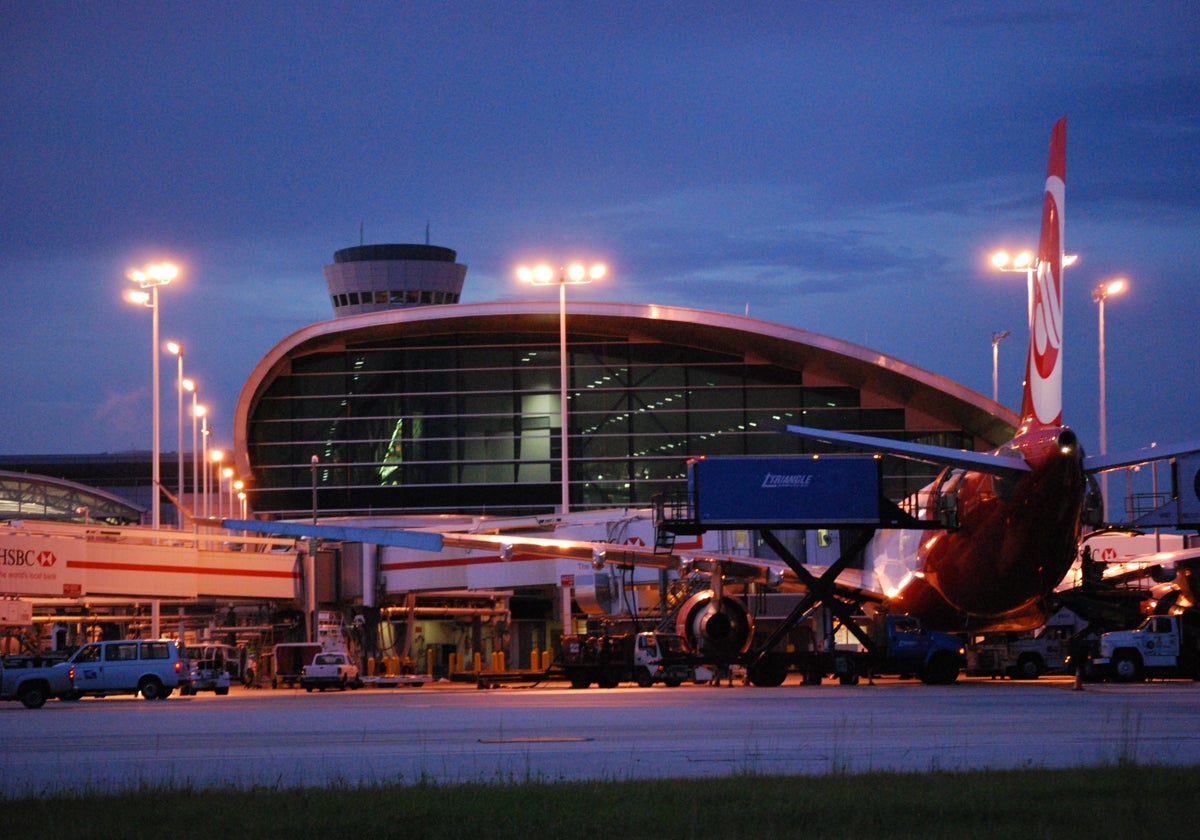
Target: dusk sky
844,168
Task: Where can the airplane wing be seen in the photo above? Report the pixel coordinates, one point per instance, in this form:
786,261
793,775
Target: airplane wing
1009,466
515,547
423,540
1103,463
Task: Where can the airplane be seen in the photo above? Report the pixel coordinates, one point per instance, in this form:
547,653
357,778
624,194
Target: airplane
1014,515
993,536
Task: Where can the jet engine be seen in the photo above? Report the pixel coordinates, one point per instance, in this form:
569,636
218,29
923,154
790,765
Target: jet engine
715,626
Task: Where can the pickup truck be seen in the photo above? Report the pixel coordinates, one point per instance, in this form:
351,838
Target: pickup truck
33,679
330,670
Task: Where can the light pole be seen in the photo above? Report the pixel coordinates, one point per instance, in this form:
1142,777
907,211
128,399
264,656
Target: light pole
190,386
228,475
202,413
1025,263
176,349
310,564
575,274
997,337
1022,263
216,456
1102,293
151,277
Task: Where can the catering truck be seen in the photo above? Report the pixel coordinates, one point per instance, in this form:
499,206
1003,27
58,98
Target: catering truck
1163,646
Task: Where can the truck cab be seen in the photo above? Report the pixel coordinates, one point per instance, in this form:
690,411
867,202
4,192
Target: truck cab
908,648
1162,646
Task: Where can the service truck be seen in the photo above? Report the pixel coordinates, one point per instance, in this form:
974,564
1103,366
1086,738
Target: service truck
900,646
1026,656
34,679
1162,646
608,659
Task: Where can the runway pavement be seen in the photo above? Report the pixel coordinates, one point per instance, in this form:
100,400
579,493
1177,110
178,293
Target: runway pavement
453,733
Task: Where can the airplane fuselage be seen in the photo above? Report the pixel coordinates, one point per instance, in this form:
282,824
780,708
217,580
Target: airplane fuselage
1009,541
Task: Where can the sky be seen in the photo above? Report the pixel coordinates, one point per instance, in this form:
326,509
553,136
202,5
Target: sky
840,167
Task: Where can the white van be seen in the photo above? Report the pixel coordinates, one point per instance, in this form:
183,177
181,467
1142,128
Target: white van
151,668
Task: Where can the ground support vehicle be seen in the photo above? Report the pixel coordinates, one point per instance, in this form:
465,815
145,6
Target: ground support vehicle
330,670
645,658
208,669
1026,656
152,668
237,660
898,645
1162,646
288,660
33,679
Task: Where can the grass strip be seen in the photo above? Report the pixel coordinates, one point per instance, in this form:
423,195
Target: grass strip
1109,802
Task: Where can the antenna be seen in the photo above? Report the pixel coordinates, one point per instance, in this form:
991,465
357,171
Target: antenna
426,231
360,233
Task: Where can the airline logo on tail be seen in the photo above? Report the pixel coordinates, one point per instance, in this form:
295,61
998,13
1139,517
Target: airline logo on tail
1042,405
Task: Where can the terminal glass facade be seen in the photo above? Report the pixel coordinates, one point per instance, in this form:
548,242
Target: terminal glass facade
471,423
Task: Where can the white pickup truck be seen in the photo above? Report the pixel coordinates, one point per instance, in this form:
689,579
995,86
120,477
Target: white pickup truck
330,670
34,679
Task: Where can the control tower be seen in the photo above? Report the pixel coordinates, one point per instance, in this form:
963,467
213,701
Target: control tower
372,278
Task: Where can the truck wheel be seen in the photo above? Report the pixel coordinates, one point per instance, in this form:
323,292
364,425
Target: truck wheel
579,679
607,681
1126,668
768,673
1029,668
33,696
941,670
644,678
150,688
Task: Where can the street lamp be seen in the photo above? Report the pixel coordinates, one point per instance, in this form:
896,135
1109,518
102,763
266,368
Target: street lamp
234,489
1104,291
176,349
1025,263
997,337
202,412
575,274
151,277
216,456
189,385
226,478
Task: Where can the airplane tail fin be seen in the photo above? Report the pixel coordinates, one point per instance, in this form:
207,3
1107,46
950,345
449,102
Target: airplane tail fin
1042,402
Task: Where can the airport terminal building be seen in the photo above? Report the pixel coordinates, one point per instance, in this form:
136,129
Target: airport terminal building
409,406
415,404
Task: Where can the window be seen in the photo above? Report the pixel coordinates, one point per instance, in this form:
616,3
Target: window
122,652
156,650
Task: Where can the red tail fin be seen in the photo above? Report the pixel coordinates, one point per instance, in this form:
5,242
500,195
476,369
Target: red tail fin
1042,403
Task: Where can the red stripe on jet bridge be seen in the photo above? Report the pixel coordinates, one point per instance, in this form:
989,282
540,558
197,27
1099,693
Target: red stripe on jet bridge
191,570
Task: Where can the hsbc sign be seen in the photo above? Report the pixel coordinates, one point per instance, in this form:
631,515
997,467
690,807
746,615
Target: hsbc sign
26,557
39,565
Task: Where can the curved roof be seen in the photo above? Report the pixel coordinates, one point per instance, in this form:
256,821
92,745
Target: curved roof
821,358
28,496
